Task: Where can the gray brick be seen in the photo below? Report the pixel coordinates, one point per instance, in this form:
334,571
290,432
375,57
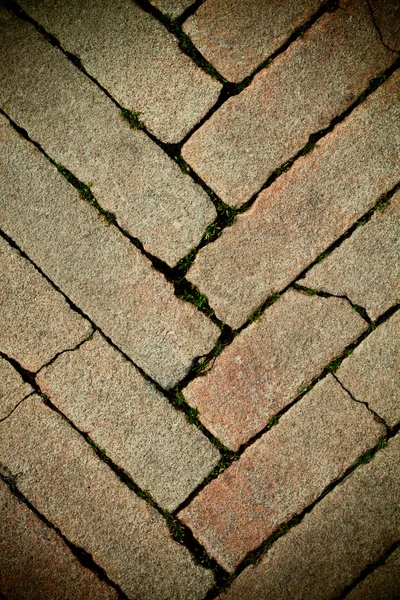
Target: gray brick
79,127
300,92
97,267
305,210
12,388
281,473
174,8
269,363
366,266
36,563
348,530
105,396
62,477
236,36
35,321
372,372
135,58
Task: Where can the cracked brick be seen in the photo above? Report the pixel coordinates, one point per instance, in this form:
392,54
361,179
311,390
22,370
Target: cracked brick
301,91
344,533
35,321
366,266
281,473
105,396
305,210
372,372
58,472
12,388
98,268
135,58
269,363
79,127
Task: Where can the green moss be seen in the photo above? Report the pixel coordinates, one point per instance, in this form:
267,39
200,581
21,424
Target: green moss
132,118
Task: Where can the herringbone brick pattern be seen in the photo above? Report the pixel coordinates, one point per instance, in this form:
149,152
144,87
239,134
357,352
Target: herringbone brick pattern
200,291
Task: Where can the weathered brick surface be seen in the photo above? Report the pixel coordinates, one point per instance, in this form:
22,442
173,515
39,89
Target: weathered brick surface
348,530
97,267
36,564
270,362
35,321
236,36
317,78
372,372
305,210
383,583
282,473
79,127
12,388
135,58
387,18
366,267
105,396
61,476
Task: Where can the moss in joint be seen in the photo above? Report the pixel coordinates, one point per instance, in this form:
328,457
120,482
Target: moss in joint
132,118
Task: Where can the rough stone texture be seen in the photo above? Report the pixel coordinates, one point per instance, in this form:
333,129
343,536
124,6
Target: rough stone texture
236,36
387,18
268,364
79,127
372,372
62,477
382,584
348,530
366,266
12,388
97,267
282,473
35,321
305,210
135,58
105,396
174,8
317,78
36,564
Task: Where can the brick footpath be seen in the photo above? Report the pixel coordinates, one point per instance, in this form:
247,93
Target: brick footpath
200,291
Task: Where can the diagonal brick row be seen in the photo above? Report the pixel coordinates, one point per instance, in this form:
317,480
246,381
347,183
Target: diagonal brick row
134,58
303,89
66,482
97,267
79,127
305,210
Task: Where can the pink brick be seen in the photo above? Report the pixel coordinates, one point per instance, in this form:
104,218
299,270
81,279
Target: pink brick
305,210
268,364
281,473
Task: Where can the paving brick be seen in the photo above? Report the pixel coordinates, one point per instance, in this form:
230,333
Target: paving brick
12,388
135,58
268,364
174,8
372,372
318,77
282,473
383,583
97,267
35,321
62,477
79,127
237,36
387,18
36,563
105,396
305,210
348,530
366,266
